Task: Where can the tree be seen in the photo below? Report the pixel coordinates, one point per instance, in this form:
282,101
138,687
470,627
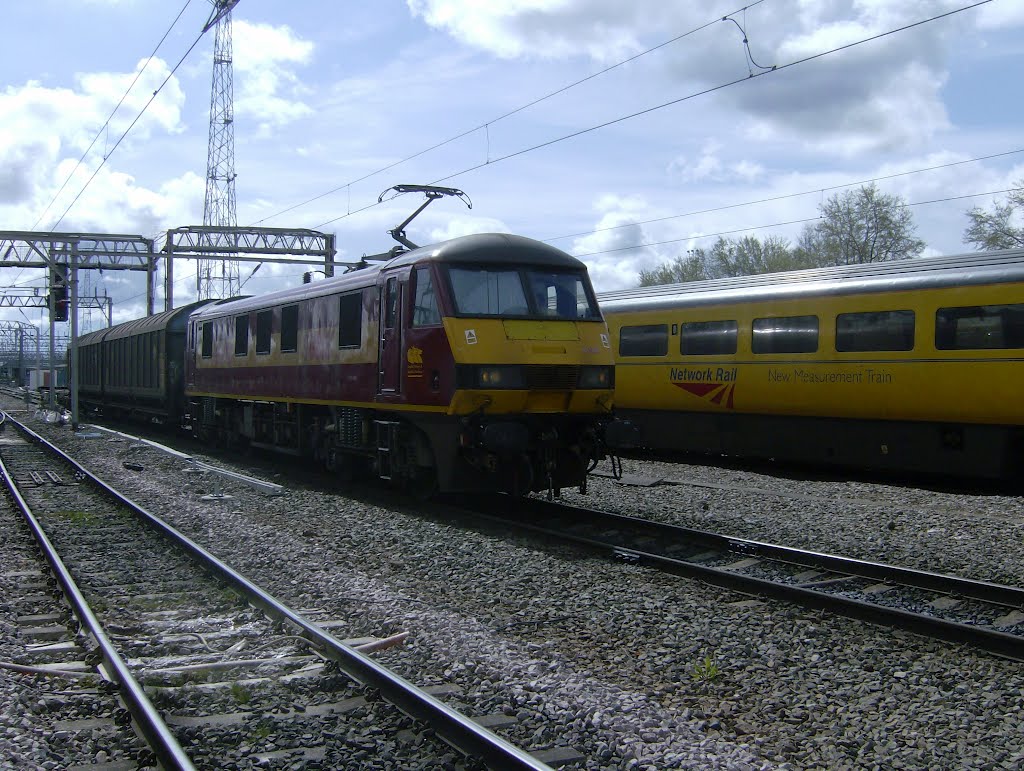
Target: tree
860,226
857,226
693,267
726,258
995,230
749,256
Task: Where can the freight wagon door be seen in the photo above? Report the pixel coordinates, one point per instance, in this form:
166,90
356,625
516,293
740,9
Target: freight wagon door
390,357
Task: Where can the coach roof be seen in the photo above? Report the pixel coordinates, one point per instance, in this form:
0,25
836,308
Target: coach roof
973,269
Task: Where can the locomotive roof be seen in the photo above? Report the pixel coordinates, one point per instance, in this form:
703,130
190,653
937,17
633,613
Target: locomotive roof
492,248
479,249
971,269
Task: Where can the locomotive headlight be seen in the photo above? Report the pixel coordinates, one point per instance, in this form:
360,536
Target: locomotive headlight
500,377
596,377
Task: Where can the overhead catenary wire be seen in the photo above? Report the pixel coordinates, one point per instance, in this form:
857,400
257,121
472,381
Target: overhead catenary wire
627,117
703,92
694,237
702,236
487,124
712,89
110,117
785,196
120,139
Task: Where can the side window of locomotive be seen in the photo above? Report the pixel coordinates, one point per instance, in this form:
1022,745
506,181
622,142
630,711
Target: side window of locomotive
645,340
875,331
350,320
485,292
391,304
207,339
264,331
708,338
241,335
789,334
984,326
424,307
290,328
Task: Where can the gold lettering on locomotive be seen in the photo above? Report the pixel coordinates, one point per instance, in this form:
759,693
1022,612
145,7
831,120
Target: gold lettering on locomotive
414,359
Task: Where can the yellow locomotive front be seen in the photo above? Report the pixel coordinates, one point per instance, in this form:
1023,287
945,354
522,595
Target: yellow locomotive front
534,370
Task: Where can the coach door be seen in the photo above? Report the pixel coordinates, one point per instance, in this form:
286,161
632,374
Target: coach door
390,351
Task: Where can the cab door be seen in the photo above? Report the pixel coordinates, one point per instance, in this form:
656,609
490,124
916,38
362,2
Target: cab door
390,356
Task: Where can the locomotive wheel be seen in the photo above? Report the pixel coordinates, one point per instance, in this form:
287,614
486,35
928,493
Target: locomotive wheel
423,484
518,476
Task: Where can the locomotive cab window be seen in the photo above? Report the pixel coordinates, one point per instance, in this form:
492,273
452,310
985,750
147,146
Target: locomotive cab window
787,334
424,308
488,292
980,327
563,295
708,338
529,292
350,320
264,331
644,340
289,328
207,339
241,335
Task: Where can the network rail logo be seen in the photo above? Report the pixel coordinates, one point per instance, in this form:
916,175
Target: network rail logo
716,384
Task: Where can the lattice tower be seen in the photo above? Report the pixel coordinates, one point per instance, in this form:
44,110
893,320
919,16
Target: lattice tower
218,277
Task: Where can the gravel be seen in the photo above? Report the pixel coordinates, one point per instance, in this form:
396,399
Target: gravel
632,668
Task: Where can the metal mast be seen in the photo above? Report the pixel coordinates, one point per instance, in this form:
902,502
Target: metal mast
218,277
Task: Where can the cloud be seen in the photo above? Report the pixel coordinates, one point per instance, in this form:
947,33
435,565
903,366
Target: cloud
543,29
46,131
709,167
269,90
463,225
848,102
614,252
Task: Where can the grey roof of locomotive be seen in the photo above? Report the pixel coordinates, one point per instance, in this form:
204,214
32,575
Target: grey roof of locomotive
479,249
972,269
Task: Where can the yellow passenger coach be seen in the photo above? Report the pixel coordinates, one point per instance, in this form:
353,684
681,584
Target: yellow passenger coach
915,365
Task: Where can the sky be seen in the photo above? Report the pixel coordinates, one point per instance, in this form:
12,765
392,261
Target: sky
625,133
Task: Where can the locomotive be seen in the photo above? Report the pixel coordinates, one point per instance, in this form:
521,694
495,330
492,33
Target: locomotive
481,363
911,366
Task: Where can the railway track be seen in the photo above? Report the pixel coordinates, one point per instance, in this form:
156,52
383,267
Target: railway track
985,615
210,670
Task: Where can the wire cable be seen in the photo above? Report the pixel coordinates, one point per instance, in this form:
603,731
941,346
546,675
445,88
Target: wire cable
712,89
784,196
110,117
127,130
694,95
486,126
776,224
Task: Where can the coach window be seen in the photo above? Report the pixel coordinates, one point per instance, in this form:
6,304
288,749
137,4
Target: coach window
424,308
980,326
708,338
788,334
264,330
350,320
207,339
644,340
241,335
290,328
488,292
875,331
